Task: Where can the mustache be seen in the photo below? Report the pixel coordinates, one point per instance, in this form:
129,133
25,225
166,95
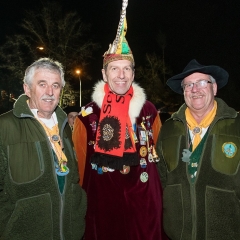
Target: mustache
197,94
45,97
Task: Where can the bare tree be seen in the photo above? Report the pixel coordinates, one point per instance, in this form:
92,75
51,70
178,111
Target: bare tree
152,79
48,33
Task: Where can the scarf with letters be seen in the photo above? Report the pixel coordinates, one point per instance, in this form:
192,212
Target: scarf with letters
115,134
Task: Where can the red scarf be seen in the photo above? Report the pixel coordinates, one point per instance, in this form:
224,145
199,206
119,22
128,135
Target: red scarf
115,133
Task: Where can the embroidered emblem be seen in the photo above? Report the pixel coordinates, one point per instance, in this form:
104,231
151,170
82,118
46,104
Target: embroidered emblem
143,163
91,142
94,126
105,169
107,132
87,111
150,157
99,170
229,149
155,156
186,155
143,151
94,166
194,164
126,170
144,177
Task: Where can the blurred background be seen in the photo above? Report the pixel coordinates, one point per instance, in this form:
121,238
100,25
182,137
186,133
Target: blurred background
164,36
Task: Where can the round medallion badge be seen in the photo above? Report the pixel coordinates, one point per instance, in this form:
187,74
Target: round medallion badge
143,151
144,177
197,130
126,170
229,149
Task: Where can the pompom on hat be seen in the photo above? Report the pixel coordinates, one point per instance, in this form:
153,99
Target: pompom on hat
120,49
218,73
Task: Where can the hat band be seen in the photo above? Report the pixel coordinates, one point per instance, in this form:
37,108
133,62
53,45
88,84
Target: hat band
115,57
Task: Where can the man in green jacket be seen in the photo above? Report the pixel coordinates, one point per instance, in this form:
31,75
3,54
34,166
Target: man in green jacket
199,150
40,195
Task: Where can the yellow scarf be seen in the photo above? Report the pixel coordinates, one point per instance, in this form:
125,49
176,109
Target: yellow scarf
55,139
197,128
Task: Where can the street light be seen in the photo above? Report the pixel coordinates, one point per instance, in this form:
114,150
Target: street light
80,85
40,48
41,51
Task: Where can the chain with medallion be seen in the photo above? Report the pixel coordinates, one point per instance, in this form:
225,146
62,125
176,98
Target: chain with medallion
56,143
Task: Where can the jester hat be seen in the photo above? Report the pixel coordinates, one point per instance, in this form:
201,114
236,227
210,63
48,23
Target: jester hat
120,49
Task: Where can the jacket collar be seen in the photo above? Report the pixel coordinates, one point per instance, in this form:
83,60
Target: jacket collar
21,109
136,103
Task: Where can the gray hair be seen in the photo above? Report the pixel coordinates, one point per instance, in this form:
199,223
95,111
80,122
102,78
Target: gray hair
43,63
212,79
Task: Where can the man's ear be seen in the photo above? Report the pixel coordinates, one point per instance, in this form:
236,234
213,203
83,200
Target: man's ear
133,74
104,75
27,90
215,89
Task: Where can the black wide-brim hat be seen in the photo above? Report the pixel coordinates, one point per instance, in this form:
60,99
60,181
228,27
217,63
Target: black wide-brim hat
218,73
69,109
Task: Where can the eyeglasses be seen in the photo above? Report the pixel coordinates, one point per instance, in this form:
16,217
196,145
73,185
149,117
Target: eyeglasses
199,85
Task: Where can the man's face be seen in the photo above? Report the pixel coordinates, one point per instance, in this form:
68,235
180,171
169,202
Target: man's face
119,75
3,93
71,118
200,101
44,92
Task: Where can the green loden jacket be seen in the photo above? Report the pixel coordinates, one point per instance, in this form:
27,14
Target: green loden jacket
31,204
209,207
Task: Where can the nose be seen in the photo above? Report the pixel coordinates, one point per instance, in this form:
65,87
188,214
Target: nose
121,73
49,90
194,88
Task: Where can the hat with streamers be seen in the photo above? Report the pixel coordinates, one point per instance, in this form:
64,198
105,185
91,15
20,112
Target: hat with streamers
120,49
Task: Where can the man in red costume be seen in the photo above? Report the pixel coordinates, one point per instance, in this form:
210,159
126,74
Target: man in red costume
114,138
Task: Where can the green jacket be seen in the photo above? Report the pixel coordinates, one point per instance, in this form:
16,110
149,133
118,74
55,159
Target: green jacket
209,207
31,205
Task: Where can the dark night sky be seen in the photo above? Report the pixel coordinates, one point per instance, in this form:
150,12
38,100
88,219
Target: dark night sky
208,30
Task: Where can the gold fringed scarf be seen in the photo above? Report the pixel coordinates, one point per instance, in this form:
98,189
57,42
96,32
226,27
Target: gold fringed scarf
53,135
197,128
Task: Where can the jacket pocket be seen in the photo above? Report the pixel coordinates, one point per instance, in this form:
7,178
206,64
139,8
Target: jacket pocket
170,149
173,213
78,211
225,154
31,219
25,161
222,214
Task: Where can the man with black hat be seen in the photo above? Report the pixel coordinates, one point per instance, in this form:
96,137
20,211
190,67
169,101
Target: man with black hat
114,138
199,159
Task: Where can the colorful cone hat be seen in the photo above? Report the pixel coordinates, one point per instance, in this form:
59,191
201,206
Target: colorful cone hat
120,49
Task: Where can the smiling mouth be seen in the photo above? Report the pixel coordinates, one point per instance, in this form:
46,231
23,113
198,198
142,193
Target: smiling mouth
196,97
47,100
120,83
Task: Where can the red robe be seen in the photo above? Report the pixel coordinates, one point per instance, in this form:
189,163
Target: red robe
120,206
